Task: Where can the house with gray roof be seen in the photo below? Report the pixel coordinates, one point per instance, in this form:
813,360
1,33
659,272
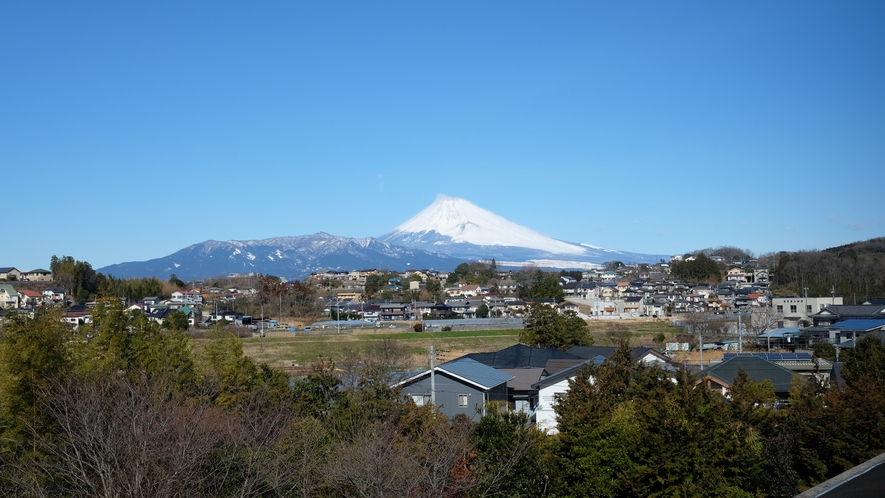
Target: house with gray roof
521,356
459,387
836,313
721,377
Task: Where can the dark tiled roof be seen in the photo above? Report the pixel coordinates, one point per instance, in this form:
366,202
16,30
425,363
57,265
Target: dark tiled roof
521,356
523,378
756,368
852,311
554,366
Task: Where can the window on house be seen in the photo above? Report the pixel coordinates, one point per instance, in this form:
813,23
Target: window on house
808,308
780,308
421,399
462,399
792,308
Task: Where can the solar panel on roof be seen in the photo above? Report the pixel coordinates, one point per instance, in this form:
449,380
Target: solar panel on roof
803,356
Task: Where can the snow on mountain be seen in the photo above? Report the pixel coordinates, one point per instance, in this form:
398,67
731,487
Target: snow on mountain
288,257
461,221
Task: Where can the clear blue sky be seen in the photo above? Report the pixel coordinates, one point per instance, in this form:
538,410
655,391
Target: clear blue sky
130,130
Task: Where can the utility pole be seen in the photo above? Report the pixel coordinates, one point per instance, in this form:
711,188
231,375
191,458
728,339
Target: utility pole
701,337
740,335
432,377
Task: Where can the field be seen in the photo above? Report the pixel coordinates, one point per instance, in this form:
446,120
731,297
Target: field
285,350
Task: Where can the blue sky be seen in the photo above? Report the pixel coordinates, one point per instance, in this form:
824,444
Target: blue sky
131,130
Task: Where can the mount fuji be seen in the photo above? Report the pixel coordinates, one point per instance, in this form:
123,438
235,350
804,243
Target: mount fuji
448,232
461,229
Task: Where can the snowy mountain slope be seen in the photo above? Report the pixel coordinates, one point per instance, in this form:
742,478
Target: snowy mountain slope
464,222
288,257
462,229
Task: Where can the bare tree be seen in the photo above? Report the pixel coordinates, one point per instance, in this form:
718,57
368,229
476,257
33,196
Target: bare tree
762,320
420,455
116,438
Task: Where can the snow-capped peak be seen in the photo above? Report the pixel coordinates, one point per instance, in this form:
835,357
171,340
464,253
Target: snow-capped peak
465,222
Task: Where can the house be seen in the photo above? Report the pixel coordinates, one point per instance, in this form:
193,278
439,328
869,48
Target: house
515,307
470,290
646,355
587,290
721,377
803,364
458,306
9,297
507,286
54,294
159,314
38,275
798,309
521,396
30,298
77,315
10,274
459,387
854,329
394,311
546,301
554,385
836,313
189,298
569,306
521,356
784,337
633,305
549,389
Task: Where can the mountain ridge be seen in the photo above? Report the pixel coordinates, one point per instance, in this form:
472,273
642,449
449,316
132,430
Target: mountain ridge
448,232
291,257
462,229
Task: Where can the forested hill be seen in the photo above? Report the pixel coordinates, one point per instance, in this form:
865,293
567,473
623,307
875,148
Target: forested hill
855,271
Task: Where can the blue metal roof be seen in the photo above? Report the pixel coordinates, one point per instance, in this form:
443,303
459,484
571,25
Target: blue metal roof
771,356
859,324
780,332
475,372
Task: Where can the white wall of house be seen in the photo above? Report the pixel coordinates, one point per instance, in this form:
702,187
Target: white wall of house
545,416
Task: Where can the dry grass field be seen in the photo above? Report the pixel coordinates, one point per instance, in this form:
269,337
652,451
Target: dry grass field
284,349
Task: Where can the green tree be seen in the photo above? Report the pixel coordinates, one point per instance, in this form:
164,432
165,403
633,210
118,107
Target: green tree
33,354
535,283
482,311
176,321
627,429
461,271
701,269
78,278
177,281
825,351
513,458
867,359
117,342
545,327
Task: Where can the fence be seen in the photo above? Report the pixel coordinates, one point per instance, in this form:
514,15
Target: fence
475,324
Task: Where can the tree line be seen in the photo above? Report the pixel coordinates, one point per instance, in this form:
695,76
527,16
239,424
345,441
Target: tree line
122,407
855,271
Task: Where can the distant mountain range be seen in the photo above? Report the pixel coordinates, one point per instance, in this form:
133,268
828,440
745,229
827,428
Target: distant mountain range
287,257
448,232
